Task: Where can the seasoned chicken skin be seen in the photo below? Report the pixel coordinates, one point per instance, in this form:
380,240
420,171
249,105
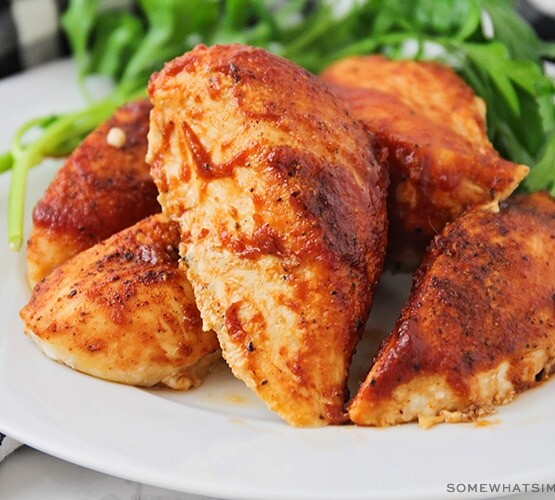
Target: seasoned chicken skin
479,325
124,311
282,213
103,187
430,130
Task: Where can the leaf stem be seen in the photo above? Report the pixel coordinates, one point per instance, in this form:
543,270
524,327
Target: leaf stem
54,134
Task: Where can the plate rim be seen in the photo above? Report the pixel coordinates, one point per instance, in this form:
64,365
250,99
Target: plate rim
58,71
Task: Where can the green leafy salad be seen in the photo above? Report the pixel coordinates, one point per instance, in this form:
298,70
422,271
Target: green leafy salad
485,41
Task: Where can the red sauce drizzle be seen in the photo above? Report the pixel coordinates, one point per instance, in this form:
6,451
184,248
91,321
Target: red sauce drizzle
206,168
264,241
233,323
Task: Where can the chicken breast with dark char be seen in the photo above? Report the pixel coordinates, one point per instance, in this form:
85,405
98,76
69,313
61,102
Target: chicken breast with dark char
124,311
282,211
103,187
430,130
479,325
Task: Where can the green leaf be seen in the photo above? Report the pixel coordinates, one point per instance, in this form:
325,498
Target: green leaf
545,89
513,31
393,15
493,58
435,17
116,37
509,144
542,175
236,15
169,24
526,74
469,15
78,22
547,50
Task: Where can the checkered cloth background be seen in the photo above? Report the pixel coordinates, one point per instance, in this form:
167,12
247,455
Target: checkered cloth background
30,34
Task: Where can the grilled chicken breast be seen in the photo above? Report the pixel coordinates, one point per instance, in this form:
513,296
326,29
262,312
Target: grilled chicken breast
479,325
124,311
103,187
282,212
430,130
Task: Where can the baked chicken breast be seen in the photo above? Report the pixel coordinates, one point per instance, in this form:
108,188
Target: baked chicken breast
430,130
124,311
283,222
103,187
479,325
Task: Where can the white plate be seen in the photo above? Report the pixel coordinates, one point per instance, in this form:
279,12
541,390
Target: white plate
219,440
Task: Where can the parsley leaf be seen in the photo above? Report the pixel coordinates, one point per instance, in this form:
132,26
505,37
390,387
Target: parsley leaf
485,41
